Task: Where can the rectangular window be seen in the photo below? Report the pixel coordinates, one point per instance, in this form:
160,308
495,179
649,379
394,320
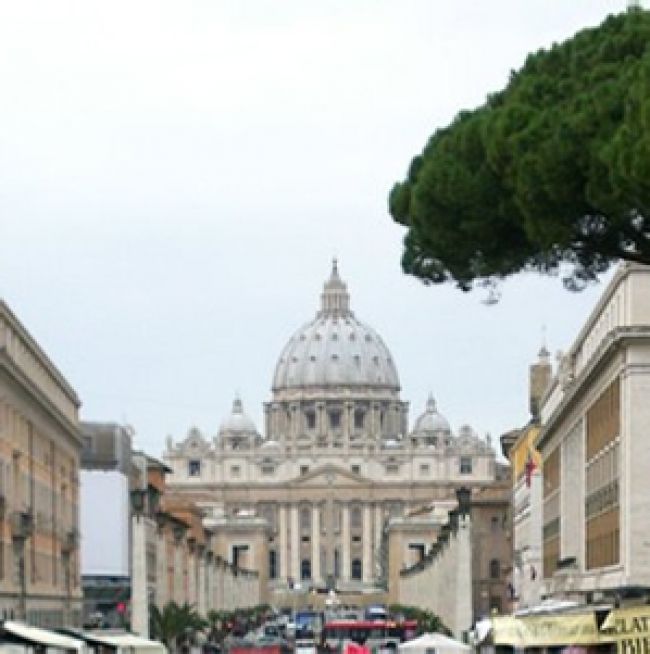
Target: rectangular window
602,547
235,471
358,419
551,513
356,469
304,470
424,469
335,419
194,468
392,469
268,471
310,418
603,420
465,465
603,540
273,564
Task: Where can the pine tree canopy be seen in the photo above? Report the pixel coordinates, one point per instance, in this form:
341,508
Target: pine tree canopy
554,170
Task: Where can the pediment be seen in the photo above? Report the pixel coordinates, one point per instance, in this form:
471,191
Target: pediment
330,475
194,444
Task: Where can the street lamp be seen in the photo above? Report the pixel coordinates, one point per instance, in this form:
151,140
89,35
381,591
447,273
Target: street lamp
463,495
139,587
138,501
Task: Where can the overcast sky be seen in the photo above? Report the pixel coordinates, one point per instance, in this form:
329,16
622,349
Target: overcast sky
175,178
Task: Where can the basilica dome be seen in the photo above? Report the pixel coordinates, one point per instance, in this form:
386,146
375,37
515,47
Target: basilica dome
335,349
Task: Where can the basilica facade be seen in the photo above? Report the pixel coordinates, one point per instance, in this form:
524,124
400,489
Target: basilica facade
337,464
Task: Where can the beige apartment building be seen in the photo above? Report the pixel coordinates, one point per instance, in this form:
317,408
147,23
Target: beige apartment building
594,443
40,446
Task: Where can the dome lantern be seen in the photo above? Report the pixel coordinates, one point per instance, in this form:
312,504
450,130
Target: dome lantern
335,299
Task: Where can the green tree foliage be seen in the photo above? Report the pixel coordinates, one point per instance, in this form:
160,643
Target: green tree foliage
176,624
552,170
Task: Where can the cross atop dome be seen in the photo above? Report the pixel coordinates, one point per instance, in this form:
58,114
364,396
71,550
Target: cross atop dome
335,299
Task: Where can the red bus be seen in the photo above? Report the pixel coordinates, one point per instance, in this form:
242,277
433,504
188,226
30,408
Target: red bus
381,634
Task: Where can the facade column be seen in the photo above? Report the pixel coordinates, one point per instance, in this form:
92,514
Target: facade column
315,544
366,561
321,419
162,592
282,543
374,412
177,592
201,603
294,535
345,542
139,593
347,420
209,596
378,534
295,423
218,584
191,573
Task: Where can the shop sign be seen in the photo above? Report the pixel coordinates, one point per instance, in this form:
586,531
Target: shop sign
548,631
630,629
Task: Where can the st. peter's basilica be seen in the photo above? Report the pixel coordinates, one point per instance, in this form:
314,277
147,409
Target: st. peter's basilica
312,497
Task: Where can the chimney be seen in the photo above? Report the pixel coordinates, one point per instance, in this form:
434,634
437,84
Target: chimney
540,378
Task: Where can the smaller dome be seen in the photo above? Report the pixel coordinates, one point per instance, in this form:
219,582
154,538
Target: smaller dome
431,421
238,422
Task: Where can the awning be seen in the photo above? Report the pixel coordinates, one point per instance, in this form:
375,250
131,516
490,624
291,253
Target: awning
547,630
45,637
126,640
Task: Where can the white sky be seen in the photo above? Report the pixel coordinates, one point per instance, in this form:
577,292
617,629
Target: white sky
176,176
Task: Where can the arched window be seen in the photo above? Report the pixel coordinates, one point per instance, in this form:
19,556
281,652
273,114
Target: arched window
305,569
495,569
357,569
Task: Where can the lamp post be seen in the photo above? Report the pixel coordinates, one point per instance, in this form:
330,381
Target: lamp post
139,591
463,495
67,549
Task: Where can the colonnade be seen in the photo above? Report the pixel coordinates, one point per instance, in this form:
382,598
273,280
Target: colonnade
378,417
330,545
170,565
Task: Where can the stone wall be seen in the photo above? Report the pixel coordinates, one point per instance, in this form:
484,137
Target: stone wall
442,582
